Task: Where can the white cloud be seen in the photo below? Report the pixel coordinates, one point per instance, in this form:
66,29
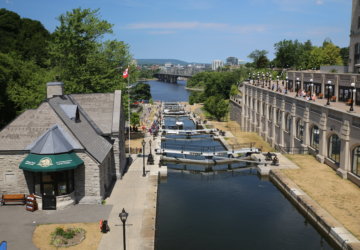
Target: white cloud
319,2
197,26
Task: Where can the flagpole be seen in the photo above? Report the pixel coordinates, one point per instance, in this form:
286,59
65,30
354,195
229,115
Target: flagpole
129,112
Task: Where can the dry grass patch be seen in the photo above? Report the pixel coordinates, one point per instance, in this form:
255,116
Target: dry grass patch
339,197
42,236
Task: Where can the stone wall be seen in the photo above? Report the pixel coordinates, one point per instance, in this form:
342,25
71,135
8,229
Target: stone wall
87,181
14,180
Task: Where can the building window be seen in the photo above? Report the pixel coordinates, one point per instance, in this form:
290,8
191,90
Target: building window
315,134
288,122
270,113
356,161
300,129
264,109
53,183
334,148
278,117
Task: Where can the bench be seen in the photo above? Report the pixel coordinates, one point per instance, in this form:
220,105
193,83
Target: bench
10,198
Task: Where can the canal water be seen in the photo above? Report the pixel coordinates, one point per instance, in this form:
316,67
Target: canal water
169,92
231,208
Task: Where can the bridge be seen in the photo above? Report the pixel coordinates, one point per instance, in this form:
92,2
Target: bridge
171,74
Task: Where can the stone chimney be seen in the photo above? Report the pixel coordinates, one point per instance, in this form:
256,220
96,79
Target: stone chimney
54,89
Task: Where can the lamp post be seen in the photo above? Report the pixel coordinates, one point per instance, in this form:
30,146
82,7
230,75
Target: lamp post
253,77
353,90
287,83
143,145
329,87
258,77
297,86
123,216
267,77
277,83
311,86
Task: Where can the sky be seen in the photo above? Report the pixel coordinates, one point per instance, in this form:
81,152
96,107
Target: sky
204,30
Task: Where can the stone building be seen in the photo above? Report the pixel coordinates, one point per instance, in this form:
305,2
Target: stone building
295,125
68,150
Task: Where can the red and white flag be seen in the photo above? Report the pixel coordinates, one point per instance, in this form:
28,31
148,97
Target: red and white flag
126,73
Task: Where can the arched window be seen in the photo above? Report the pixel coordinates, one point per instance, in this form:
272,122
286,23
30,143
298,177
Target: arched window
288,122
264,109
315,134
334,148
278,117
355,169
270,113
300,129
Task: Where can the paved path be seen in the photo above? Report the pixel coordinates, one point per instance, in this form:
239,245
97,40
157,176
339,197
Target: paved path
138,195
17,225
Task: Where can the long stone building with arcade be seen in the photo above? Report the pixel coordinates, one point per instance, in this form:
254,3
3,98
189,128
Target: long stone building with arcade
68,150
291,123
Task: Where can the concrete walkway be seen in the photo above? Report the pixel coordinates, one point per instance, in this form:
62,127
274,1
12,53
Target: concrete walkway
138,196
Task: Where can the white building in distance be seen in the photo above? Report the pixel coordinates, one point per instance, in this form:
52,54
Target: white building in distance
217,64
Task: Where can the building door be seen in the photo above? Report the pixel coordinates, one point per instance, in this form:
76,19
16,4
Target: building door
49,188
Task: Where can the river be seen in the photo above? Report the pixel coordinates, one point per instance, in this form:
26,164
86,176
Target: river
225,209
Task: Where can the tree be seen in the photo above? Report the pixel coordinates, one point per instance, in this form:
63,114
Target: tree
135,119
82,60
216,106
344,53
259,58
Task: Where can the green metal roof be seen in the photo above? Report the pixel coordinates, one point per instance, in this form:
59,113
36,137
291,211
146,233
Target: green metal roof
50,163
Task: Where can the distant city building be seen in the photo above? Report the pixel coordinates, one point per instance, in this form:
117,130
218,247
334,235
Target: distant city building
232,61
354,53
168,65
217,64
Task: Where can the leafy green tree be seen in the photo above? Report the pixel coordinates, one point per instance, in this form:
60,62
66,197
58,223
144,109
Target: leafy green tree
83,61
216,106
344,53
259,58
140,91
135,119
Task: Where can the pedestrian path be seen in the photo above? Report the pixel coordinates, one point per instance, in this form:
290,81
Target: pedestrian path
138,196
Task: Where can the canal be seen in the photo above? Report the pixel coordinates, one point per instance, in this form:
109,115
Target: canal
232,208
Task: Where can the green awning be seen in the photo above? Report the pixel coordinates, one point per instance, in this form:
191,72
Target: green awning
50,163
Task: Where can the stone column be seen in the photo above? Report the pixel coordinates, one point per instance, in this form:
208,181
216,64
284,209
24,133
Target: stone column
306,141
282,125
273,124
245,110
345,150
266,113
261,113
322,137
255,102
293,127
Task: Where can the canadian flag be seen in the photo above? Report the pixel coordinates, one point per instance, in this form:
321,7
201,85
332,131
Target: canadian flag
126,73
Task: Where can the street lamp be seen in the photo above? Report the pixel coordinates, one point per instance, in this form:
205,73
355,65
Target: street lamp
123,216
311,86
329,87
258,77
253,77
297,86
287,83
277,83
143,145
353,90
